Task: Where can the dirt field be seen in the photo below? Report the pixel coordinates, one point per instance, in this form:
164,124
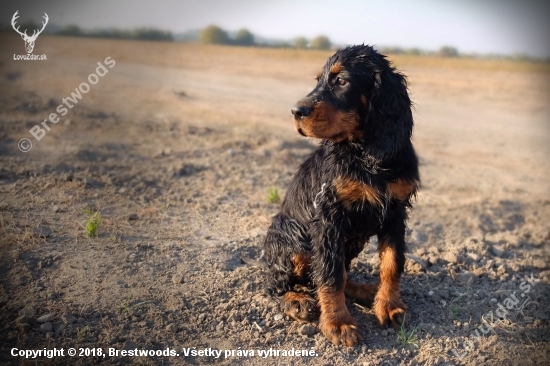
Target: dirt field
176,148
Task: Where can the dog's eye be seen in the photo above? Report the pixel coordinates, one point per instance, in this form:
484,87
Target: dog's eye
341,81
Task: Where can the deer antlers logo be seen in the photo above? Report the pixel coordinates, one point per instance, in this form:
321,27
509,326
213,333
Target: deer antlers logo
29,41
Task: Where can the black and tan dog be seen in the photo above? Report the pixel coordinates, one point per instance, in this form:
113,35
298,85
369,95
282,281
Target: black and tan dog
359,183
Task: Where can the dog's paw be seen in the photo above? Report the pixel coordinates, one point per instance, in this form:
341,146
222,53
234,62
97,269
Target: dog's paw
300,306
392,311
340,331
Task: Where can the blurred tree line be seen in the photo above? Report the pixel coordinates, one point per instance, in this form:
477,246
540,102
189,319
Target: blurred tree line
445,51
150,34
243,37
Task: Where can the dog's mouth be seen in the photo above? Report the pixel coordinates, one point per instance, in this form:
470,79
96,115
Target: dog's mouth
302,127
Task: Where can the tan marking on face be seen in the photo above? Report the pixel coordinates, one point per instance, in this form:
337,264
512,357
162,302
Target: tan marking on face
351,191
402,190
336,68
318,76
326,122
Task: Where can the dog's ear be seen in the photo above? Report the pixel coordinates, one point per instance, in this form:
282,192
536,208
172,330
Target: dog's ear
389,121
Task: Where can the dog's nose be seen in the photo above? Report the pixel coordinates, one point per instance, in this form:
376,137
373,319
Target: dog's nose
300,111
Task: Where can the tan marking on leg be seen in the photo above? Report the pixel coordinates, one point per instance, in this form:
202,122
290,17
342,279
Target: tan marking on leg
388,305
300,306
301,263
363,293
336,322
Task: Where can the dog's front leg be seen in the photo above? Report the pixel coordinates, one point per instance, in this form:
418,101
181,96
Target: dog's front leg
329,276
388,306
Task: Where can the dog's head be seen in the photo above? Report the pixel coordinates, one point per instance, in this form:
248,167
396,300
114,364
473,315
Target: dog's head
358,97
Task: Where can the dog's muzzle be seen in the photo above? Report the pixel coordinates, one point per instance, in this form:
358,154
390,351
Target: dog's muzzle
300,111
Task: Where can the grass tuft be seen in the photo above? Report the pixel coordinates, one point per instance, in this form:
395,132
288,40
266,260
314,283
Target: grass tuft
458,312
273,195
124,308
82,332
93,222
407,338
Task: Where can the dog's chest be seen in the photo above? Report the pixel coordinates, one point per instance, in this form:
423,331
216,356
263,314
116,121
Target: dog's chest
356,193
352,192
365,205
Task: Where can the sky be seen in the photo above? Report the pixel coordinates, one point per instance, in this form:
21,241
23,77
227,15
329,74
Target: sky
472,26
